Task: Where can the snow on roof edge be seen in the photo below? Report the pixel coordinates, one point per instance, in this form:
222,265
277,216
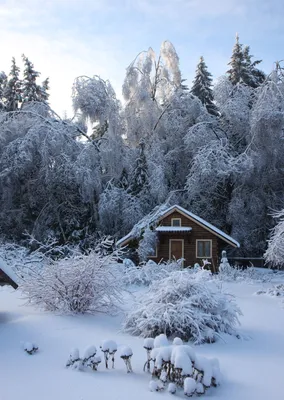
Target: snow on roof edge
173,229
160,212
205,223
8,271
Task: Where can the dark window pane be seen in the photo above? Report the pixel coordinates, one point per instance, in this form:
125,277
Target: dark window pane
175,222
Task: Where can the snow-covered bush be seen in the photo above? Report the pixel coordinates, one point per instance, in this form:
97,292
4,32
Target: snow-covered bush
109,348
275,250
274,291
184,304
149,272
74,361
30,348
90,359
81,284
228,273
126,353
179,367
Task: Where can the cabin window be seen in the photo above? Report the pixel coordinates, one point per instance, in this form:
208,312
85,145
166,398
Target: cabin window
176,221
203,248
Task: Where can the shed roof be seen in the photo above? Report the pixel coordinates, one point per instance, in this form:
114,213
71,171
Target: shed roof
8,273
158,214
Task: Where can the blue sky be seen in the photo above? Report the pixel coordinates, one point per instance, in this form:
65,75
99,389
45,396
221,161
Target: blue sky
68,38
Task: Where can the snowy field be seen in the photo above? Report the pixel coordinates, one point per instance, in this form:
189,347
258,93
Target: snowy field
252,368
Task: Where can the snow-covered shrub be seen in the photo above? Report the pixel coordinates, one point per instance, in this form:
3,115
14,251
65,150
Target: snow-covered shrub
109,348
274,291
228,273
179,366
149,272
74,361
90,359
81,284
189,386
172,388
148,346
126,353
147,245
30,348
184,304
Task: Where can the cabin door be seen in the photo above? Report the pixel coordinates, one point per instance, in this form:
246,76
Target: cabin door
176,249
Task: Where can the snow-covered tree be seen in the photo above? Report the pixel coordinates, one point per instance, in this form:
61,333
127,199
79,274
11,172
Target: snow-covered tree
202,87
242,69
3,83
31,91
12,90
44,95
139,181
274,254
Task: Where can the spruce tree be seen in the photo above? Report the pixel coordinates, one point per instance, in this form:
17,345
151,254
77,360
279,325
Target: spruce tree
139,181
202,87
238,71
44,95
12,92
31,91
242,69
255,76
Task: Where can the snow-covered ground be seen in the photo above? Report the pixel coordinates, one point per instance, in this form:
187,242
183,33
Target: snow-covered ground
252,368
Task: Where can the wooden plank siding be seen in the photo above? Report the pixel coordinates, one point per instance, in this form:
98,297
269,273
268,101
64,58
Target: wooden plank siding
197,232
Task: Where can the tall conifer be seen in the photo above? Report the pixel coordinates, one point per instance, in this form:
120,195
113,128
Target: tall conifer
202,87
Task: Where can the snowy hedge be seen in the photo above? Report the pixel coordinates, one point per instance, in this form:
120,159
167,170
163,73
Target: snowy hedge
86,283
149,272
184,304
228,273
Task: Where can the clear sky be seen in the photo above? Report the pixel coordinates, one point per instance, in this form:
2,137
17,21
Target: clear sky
69,38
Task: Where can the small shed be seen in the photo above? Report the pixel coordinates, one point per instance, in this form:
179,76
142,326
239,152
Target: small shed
7,276
181,234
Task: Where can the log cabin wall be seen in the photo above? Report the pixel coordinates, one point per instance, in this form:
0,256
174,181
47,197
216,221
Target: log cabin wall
197,232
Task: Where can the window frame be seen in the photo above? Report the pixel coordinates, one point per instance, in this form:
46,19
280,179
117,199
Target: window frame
176,219
203,240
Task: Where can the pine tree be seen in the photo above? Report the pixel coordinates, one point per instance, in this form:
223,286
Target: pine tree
243,70
202,87
139,181
12,91
31,91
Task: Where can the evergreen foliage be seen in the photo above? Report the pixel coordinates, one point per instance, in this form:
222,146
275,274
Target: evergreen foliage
12,91
242,69
31,91
202,87
139,180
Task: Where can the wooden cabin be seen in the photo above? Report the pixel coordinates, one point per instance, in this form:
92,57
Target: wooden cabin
183,235
7,277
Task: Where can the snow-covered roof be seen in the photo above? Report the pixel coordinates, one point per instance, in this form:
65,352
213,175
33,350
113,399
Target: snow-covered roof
9,272
161,212
173,229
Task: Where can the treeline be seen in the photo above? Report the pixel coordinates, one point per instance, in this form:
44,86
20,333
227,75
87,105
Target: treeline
217,151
